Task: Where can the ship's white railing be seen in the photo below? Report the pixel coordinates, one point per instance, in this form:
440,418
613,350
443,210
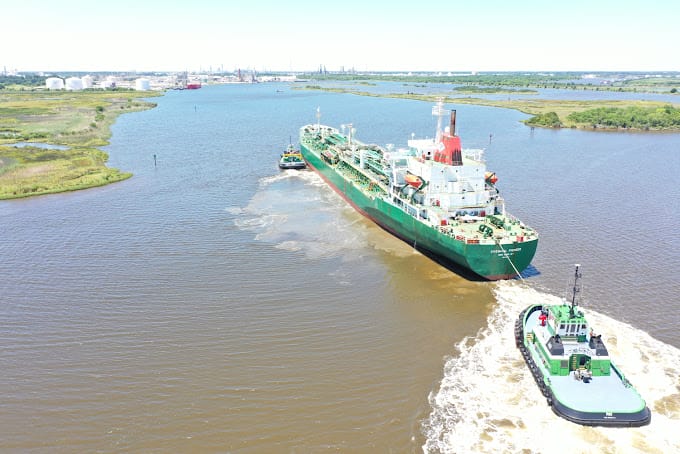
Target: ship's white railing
473,154
513,218
405,206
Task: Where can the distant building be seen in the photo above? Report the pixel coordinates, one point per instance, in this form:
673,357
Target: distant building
109,82
54,83
74,83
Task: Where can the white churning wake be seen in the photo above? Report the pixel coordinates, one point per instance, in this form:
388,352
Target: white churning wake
291,212
488,401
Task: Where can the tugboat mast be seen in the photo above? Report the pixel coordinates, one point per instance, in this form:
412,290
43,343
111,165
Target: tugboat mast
575,289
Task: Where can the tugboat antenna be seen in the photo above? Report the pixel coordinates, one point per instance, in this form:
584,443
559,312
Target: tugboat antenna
575,289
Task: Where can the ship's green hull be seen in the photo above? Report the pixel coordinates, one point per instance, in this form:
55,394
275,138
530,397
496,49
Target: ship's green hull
489,261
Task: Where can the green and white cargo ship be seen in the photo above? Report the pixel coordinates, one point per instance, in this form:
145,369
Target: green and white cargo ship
572,367
432,194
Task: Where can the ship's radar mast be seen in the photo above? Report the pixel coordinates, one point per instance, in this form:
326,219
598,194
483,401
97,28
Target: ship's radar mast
318,119
439,112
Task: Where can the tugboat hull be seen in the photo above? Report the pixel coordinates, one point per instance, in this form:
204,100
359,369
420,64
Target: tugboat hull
292,165
608,401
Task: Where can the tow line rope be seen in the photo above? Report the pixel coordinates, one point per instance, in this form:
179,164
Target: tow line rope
509,260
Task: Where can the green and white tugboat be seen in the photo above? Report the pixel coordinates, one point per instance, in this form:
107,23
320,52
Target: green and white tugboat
291,159
572,367
434,195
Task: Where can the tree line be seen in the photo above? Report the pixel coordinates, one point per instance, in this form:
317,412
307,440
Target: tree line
665,117
29,80
642,118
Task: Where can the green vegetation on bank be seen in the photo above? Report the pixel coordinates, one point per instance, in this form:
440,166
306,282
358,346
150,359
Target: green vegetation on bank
78,120
493,90
598,114
565,81
28,80
547,120
29,171
647,118
507,79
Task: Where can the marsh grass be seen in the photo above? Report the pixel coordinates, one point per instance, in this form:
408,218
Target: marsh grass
80,120
32,171
494,90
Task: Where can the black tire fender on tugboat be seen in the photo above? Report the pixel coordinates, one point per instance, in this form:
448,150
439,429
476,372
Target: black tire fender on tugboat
533,367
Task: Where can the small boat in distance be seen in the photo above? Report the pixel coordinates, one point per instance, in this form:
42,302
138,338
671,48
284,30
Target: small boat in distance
572,367
291,159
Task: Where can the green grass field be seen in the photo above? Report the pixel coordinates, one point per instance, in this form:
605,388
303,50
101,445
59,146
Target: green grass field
78,120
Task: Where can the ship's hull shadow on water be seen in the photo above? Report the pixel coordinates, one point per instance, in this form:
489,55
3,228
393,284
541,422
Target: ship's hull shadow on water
530,271
452,266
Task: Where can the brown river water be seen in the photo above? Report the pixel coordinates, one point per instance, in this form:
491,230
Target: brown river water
213,303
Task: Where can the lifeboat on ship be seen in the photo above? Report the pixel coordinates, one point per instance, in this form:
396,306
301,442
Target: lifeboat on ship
413,180
490,177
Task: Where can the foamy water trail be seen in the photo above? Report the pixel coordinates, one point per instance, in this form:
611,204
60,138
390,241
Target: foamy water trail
290,213
298,211
489,402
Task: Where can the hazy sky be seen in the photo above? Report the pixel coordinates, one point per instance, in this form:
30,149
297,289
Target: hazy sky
434,35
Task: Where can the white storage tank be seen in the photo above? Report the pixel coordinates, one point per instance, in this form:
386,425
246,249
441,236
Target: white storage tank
142,84
54,83
74,83
88,81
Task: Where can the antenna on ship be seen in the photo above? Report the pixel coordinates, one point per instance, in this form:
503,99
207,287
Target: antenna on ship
438,111
318,119
576,288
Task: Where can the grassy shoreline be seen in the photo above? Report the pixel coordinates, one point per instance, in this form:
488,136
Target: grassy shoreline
80,121
618,82
563,109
